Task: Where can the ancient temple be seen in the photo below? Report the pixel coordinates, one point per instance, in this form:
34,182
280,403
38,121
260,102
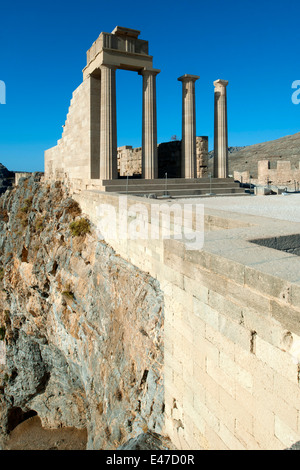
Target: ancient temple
87,155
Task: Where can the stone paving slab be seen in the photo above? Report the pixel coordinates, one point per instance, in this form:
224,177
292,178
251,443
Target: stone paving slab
273,206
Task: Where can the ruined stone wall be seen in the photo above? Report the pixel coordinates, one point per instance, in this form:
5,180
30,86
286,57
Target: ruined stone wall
283,174
202,156
242,176
231,334
21,174
129,161
169,159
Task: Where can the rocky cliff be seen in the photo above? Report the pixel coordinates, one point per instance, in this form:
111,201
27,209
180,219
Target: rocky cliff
81,327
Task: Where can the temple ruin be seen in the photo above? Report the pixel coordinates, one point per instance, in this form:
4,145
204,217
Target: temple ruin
87,156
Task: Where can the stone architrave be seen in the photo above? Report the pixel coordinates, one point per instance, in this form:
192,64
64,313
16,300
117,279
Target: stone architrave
108,124
220,130
149,127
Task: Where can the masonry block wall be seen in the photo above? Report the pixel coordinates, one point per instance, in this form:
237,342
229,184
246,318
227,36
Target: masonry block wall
169,159
282,174
77,154
231,330
129,160
231,382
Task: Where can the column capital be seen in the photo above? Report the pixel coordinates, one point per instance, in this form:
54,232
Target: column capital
187,78
220,84
146,71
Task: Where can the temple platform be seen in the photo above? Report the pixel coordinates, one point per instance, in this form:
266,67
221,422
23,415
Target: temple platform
174,187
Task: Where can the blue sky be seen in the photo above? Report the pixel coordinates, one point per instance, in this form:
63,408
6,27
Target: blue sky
253,44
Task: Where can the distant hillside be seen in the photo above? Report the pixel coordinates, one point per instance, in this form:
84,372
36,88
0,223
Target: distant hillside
230,150
246,158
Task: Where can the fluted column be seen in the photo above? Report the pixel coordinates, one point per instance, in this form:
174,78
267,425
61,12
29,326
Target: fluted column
188,144
108,124
149,137
220,130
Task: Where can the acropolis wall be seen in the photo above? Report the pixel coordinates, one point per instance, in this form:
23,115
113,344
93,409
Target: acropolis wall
231,325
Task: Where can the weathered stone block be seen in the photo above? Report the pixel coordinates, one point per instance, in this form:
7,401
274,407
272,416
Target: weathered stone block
277,360
288,316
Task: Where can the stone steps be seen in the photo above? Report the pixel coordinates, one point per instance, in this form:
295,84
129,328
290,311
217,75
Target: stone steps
162,181
190,196
188,192
175,187
161,187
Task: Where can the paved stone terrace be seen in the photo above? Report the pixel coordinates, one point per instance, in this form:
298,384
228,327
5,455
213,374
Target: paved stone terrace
277,207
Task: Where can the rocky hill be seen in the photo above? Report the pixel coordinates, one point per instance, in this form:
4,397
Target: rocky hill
82,328
246,158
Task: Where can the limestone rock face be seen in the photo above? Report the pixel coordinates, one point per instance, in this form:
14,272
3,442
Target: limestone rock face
81,327
147,441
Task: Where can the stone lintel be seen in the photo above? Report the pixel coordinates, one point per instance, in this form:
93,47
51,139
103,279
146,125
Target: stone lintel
124,61
187,77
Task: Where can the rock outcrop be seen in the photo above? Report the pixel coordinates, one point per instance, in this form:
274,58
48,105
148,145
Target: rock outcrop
6,178
82,328
147,441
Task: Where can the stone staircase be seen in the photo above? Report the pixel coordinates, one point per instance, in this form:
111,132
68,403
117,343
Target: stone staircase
175,187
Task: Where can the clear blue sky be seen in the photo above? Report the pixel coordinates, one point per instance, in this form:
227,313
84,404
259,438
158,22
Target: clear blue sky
253,44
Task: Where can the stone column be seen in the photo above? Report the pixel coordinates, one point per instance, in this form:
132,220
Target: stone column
149,137
220,130
188,144
108,124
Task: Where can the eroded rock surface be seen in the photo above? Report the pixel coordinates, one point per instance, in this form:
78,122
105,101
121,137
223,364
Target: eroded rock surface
148,441
82,328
